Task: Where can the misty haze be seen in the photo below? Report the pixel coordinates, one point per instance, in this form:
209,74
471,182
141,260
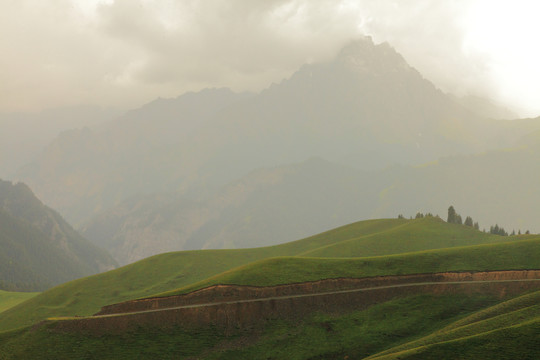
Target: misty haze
269,179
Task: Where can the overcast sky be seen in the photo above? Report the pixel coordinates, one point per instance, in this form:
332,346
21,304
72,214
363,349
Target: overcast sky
123,53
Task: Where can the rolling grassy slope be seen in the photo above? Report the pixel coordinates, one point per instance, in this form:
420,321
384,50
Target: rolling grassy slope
171,271
162,273
9,299
357,334
522,254
418,235
505,331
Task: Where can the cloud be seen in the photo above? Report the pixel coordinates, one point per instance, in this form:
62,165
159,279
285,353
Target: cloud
126,52
208,41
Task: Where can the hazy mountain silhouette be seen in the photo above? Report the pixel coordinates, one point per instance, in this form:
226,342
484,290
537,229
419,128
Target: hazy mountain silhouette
154,177
39,249
499,186
366,108
23,136
486,108
265,207
273,205
144,151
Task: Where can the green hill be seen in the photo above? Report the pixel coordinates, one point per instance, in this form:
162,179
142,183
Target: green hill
422,234
355,335
164,273
39,249
167,272
514,255
9,299
505,331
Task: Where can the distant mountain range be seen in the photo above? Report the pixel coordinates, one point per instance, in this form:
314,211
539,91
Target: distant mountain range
212,169
24,135
272,205
39,249
267,206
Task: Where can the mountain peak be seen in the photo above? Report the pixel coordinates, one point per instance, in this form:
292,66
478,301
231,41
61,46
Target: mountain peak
363,56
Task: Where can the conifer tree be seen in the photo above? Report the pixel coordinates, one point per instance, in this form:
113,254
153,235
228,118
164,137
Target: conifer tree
451,215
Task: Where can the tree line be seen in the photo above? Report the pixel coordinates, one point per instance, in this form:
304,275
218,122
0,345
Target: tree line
455,218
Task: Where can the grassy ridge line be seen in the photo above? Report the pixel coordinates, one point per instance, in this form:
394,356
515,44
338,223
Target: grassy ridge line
163,272
516,255
352,231
507,316
411,236
8,299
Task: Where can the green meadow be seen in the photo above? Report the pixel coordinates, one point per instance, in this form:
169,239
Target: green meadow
9,299
172,271
516,255
509,330
411,327
415,327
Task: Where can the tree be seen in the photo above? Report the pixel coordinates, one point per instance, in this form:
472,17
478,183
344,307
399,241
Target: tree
458,219
476,226
419,215
451,215
496,230
469,221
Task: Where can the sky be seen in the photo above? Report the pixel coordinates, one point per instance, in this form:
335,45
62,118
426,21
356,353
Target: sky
124,53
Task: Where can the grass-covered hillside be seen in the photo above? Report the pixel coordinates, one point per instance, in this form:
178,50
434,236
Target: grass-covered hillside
509,330
414,327
514,255
172,271
9,299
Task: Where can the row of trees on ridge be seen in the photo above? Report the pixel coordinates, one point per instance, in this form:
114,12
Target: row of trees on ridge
455,218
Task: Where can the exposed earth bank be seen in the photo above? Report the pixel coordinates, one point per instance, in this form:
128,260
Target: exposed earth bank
233,306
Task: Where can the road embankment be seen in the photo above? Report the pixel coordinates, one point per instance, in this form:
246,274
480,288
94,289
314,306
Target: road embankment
233,307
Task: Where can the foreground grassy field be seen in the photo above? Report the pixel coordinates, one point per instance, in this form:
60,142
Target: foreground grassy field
510,330
396,324
285,263
9,299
